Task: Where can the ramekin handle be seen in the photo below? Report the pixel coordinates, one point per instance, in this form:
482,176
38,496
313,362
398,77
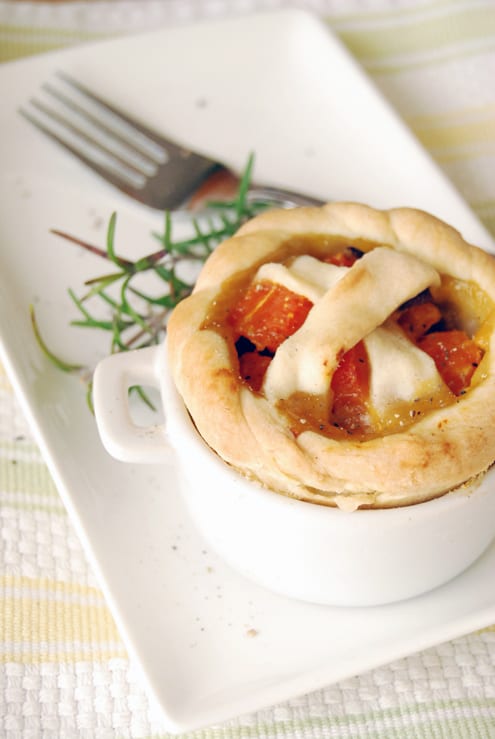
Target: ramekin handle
121,437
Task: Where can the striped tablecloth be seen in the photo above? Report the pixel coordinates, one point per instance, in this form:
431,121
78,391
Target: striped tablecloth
64,671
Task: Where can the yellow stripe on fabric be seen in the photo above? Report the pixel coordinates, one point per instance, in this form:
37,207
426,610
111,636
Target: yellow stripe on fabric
5,385
34,620
4,380
37,630
455,154
10,582
46,655
486,629
456,134
51,620
487,206
385,48
459,115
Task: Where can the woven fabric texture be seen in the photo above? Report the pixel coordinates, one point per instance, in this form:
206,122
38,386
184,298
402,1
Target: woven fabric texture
64,671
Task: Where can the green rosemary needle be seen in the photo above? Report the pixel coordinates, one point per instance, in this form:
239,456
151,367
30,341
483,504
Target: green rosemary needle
64,366
134,317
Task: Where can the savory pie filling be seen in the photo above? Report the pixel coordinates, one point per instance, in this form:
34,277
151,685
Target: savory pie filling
423,349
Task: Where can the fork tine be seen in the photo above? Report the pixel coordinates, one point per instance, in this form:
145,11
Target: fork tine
108,167
139,134
141,163
112,120
100,137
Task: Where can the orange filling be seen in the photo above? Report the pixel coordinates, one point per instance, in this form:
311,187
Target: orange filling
350,389
252,366
455,355
267,313
344,258
416,320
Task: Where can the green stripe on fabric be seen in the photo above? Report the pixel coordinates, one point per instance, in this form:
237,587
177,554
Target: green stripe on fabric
27,485
485,210
19,505
12,50
20,445
405,13
393,723
402,723
30,478
386,46
445,57
35,31
17,41
487,219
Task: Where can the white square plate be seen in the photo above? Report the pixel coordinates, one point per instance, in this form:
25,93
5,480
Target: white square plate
210,644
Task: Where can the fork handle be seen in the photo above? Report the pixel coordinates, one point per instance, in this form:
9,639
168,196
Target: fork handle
223,184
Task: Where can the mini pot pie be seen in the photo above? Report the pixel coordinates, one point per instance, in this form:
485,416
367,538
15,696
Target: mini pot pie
343,355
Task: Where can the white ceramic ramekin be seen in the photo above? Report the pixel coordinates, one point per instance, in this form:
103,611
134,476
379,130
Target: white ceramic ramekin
302,550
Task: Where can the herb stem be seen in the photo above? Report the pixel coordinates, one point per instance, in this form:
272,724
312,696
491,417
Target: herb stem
124,311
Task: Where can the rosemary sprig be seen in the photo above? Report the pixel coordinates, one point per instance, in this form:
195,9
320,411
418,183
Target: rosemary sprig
135,317
64,366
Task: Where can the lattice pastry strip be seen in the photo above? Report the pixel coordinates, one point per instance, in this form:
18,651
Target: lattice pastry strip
351,309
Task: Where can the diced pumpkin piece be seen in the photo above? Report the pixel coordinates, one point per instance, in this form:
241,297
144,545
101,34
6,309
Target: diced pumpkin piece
418,319
269,313
350,389
455,355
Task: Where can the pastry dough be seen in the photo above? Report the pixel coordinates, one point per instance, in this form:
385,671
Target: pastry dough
406,251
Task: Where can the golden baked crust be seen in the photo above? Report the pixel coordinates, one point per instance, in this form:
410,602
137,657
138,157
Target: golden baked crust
444,449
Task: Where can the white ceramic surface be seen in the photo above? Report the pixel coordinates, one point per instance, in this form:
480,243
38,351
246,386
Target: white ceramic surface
305,551
209,642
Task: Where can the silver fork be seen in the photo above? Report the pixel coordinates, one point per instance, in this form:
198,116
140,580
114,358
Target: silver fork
146,166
